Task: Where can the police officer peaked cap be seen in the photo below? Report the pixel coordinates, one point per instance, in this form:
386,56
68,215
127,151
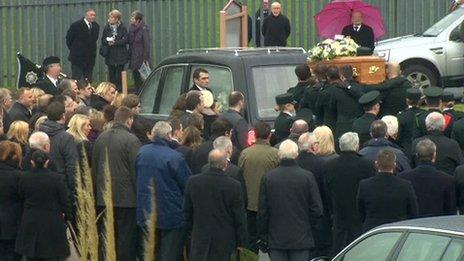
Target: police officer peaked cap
285,98
50,60
447,96
433,92
370,98
413,94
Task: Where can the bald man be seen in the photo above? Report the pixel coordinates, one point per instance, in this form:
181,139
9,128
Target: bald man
393,91
361,33
276,27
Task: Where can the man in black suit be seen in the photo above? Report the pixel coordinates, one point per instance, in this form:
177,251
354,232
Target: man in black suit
260,15
21,109
239,123
361,33
81,40
385,198
52,69
200,80
214,211
434,189
362,125
289,205
342,176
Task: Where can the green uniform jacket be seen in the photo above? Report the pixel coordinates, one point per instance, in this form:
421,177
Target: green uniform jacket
407,122
282,126
255,161
362,126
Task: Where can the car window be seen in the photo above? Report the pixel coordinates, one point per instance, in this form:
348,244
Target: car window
171,88
220,82
148,94
455,250
424,247
444,23
373,248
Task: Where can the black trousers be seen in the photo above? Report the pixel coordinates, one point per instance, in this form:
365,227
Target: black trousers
252,231
137,81
7,252
170,244
114,75
126,234
81,72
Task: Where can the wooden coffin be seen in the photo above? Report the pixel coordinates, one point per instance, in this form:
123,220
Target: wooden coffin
368,69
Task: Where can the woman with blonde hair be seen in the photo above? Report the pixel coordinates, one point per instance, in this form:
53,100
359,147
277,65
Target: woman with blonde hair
104,95
97,121
117,102
79,127
325,138
19,133
114,47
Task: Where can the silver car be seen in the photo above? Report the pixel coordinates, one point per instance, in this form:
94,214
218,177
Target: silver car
434,57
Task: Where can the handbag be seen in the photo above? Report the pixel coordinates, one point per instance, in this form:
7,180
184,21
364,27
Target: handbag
144,70
104,50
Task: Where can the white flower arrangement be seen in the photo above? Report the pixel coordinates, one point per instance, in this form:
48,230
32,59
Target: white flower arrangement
330,49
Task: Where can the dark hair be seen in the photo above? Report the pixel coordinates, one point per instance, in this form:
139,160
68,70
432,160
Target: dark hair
84,110
302,72
333,74
235,97
179,106
347,72
59,98
386,160
130,101
11,152
320,72
122,114
82,84
65,84
175,124
108,112
262,130
434,102
378,129
196,73
137,15
191,137
219,127
196,120
55,111
192,100
39,158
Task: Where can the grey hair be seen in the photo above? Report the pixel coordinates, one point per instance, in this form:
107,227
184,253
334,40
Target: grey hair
222,143
38,140
425,150
217,159
288,150
306,140
162,129
435,122
349,142
392,125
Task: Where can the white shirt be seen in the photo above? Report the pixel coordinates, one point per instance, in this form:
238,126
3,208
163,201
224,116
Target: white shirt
54,81
89,24
356,27
200,88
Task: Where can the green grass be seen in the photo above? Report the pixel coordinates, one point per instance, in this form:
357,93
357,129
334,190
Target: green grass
459,107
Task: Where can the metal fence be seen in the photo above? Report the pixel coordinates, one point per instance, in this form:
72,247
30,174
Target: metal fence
37,28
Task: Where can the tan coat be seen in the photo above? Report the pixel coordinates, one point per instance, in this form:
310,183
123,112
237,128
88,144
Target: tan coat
256,161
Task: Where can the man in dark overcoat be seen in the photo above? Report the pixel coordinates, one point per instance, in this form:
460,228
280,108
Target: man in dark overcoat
407,119
139,46
371,106
433,99
385,198
449,154
52,69
342,176
81,40
434,189
214,210
276,27
361,33
289,204
283,122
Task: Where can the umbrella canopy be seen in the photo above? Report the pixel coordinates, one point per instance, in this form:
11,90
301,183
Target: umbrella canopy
337,14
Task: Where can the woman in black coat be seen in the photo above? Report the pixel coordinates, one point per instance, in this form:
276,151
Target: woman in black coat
42,232
10,200
114,41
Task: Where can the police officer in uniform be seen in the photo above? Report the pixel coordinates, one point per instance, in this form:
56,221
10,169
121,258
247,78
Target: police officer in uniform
371,106
408,120
433,98
283,122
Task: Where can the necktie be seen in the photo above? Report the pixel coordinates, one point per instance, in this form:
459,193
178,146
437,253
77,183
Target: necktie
356,28
90,26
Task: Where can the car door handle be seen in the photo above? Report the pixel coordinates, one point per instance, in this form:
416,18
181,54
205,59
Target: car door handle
437,50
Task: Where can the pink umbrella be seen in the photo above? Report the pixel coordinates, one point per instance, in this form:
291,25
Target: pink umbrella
337,14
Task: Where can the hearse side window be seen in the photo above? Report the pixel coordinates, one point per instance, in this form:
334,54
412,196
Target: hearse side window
171,88
374,248
148,94
455,250
423,247
270,81
220,82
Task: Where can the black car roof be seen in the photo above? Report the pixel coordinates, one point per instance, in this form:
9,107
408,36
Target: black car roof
451,223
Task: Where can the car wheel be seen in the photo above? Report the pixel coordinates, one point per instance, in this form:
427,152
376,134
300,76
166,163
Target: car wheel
420,76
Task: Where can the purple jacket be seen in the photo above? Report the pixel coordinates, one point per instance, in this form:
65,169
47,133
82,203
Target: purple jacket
139,45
